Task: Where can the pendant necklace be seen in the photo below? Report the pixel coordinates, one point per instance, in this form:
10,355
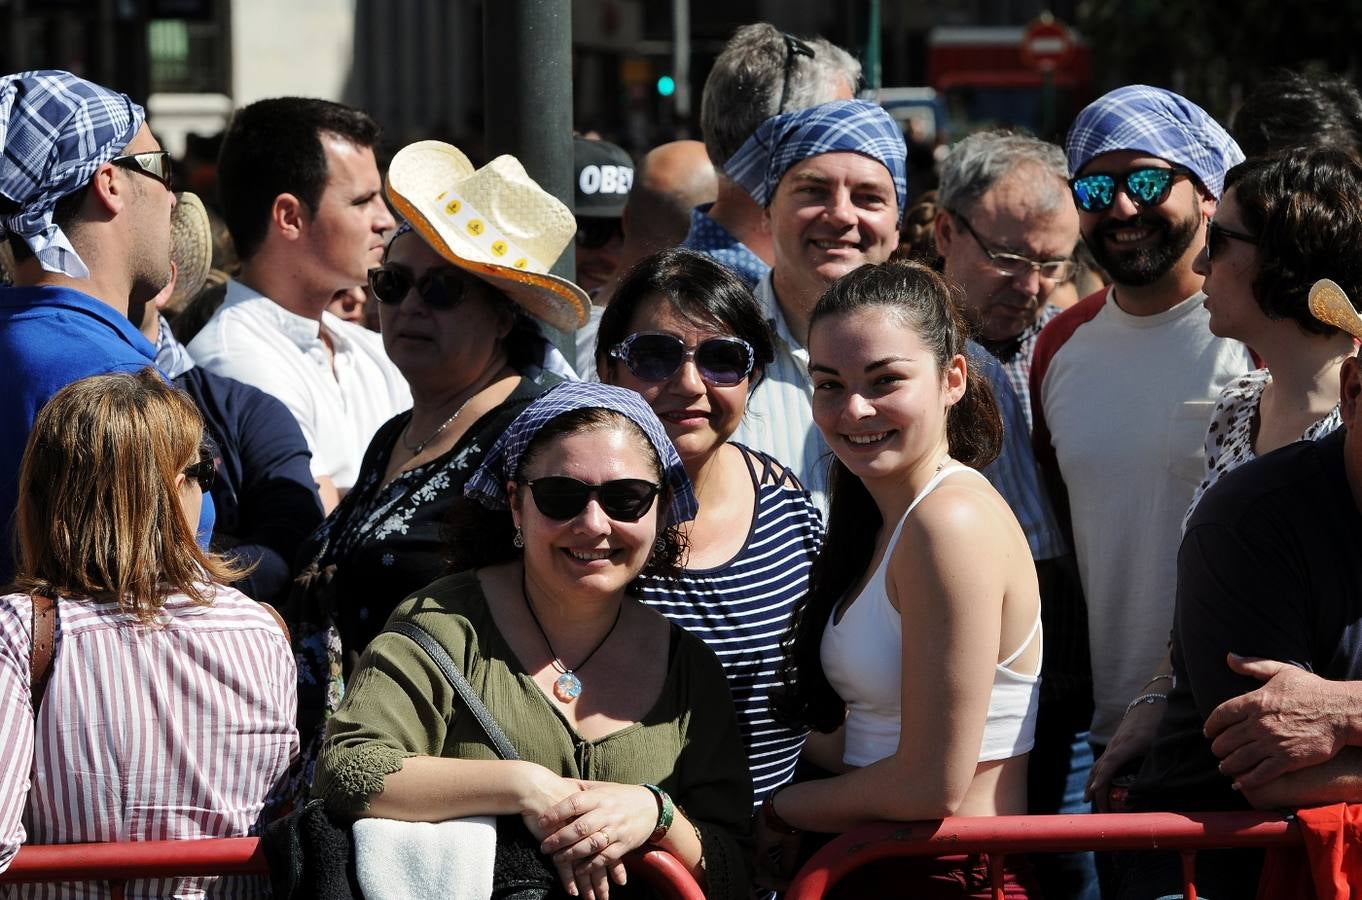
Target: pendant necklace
416,450
567,687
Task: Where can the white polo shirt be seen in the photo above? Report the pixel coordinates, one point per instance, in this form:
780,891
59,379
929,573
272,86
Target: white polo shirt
253,339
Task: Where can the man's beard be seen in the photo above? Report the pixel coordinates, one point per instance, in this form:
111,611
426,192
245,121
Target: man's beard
1147,264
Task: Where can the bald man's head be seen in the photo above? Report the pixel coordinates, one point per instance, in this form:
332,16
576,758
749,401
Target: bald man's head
674,179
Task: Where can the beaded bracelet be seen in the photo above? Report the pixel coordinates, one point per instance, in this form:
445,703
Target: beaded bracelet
1172,679
666,812
1145,698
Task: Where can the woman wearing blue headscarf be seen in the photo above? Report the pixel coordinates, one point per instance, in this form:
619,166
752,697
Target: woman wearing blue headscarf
613,710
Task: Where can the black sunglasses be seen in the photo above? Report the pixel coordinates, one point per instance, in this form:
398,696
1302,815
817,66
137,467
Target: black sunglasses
205,470
657,356
594,233
153,164
793,47
623,499
1217,234
1146,187
439,289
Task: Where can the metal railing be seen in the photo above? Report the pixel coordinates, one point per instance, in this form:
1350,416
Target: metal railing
996,837
115,864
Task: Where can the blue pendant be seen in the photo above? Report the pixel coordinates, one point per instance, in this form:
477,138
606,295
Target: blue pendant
568,687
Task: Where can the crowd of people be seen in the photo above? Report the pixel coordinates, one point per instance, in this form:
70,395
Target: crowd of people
1036,493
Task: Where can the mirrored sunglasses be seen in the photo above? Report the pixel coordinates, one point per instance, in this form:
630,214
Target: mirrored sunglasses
153,164
1217,234
439,289
657,356
1096,191
205,470
623,499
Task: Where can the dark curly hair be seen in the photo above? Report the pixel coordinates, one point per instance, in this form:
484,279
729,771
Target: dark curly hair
477,537
1295,109
1306,209
920,299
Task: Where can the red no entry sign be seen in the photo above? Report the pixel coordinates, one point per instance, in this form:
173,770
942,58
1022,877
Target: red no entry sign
1046,44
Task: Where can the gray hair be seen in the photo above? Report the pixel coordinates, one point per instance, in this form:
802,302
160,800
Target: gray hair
975,164
744,87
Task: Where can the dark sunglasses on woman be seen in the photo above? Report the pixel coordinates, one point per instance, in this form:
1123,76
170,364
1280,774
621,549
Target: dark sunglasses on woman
1146,187
439,289
1217,234
656,356
205,470
623,499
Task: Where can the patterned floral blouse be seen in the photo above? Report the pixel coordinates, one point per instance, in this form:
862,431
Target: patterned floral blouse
386,540
1229,441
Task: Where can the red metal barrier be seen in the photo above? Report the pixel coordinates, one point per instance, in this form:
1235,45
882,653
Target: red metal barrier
997,836
117,863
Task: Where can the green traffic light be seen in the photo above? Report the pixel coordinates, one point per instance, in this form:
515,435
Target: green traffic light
666,86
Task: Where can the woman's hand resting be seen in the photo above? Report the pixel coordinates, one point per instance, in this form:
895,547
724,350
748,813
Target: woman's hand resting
588,833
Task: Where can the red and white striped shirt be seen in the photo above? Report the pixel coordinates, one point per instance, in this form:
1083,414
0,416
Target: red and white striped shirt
178,729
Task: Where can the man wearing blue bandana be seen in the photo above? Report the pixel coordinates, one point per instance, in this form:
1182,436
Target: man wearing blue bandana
1123,383
762,72
833,181
85,205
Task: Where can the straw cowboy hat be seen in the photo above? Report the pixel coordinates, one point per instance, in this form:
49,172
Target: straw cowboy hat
191,248
494,222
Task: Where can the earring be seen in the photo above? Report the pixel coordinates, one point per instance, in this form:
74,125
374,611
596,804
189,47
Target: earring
518,539
659,545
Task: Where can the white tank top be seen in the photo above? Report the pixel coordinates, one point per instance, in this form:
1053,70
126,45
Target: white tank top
863,658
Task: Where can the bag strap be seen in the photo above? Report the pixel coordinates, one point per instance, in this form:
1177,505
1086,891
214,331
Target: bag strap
442,661
279,619
43,646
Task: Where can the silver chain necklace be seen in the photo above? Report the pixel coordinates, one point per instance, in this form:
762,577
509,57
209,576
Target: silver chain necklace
416,450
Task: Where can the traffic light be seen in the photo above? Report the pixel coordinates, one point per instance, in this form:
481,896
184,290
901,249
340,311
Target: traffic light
666,86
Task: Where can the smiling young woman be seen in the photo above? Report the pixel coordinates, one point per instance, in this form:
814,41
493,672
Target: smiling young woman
917,652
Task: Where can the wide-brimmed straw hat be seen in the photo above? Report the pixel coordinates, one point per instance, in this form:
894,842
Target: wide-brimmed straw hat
191,247
495,222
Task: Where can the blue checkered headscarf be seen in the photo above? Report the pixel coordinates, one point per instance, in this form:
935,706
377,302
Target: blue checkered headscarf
502,463
55,130
842,126
1157,122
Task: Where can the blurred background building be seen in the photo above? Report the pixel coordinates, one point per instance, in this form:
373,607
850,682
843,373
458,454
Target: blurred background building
418,65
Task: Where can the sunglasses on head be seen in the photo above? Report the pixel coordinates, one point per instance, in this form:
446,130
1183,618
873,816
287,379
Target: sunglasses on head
623,499
594,233
1146,187
439,289
153,164
204,470
793,47
657,356
1217,234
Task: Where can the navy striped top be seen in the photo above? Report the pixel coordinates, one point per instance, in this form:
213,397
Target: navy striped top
743,608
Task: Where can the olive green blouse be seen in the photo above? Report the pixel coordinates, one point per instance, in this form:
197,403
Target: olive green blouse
399,705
